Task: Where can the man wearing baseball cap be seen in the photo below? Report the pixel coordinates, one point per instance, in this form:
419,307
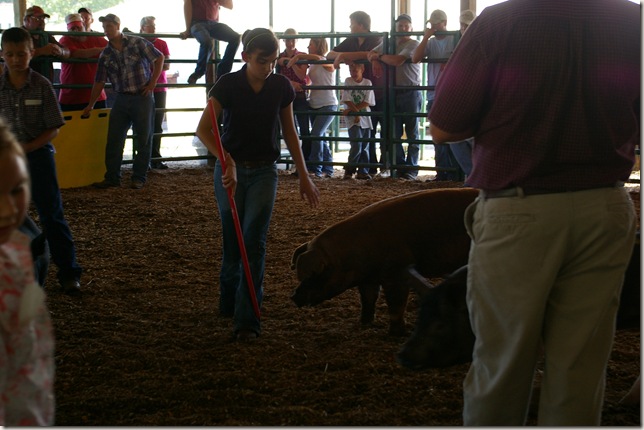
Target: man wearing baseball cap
46,47
435,47
88,17
133,66
407,100
79,73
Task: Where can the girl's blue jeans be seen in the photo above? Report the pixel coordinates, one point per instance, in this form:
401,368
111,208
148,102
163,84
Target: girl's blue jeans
254,198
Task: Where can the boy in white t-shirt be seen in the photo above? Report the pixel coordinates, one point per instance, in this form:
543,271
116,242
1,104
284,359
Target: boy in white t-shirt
358,100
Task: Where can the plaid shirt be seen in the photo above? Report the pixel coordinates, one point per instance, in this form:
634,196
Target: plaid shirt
289,72
31,109
130,69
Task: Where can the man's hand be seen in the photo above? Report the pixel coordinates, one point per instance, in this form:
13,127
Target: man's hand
86,111
429,32
338,60
185,34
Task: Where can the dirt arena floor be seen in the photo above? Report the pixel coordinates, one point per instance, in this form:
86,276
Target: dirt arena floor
144,345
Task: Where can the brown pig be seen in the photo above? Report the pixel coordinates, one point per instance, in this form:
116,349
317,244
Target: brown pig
377,246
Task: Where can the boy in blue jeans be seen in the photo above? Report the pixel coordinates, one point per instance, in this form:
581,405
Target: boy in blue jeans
29,105
358,100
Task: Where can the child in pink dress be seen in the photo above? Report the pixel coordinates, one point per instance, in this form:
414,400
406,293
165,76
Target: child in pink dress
26,335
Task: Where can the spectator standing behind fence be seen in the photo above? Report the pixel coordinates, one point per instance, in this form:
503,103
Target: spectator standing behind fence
82,73
300,103
435,47
46,48
321,102
88,18
359,126
28,103
407,74
462,150
553,227
254,101
27,352
202,23
134,103
356,48
148,26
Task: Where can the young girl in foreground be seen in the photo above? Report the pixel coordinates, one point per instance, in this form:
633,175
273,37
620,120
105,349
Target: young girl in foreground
254,102
26,338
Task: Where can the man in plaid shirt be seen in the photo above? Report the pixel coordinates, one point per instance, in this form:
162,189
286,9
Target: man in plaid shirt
133,65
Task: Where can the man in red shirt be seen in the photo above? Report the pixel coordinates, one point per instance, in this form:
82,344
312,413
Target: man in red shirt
82,72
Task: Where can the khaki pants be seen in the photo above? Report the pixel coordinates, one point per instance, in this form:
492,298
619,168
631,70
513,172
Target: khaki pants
544,271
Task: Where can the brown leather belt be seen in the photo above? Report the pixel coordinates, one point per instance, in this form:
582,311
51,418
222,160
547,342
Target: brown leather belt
254,164
524,192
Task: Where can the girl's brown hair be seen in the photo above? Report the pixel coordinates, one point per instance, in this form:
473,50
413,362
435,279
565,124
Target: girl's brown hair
321,45
260,39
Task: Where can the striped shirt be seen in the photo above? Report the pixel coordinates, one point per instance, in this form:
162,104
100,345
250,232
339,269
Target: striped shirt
130,69
31,109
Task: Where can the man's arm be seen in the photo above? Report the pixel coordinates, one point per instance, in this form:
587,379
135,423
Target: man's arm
347,57
97,88
228,4
187,14
85,53
389,59
441,136
419,52
156,72
41,140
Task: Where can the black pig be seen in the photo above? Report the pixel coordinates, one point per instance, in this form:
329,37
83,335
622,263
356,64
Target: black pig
443,335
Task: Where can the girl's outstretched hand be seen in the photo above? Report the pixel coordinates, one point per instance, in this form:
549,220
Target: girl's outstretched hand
309,191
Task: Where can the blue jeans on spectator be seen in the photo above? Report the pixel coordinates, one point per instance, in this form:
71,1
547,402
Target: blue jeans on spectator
136,111
407,101
359,150
157,121
462,152
303,122
320,150
375,120
444,158
45,194
206,32
254,198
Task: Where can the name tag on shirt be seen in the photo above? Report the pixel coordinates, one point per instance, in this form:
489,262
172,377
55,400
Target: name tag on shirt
34,102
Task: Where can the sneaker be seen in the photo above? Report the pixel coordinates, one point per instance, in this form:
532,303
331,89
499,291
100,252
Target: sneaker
105,184
408,177
347,175
159,165
363,176
384,174
328,175
136,184
192,79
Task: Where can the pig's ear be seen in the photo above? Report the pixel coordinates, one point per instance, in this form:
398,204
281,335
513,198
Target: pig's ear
418,282
309,263
300,249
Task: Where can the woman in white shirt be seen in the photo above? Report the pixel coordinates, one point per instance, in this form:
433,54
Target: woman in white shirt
321,102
